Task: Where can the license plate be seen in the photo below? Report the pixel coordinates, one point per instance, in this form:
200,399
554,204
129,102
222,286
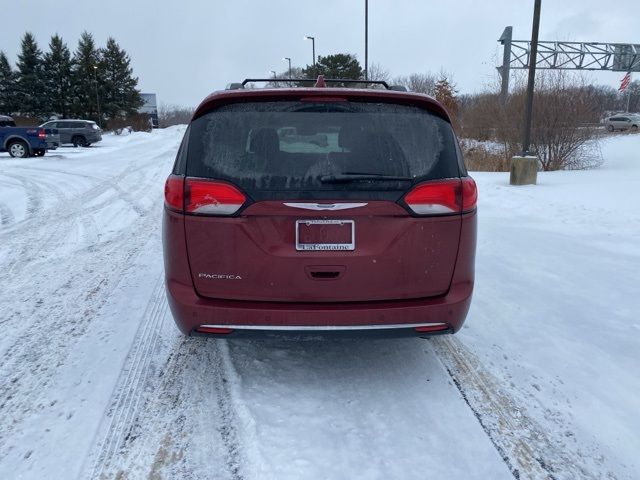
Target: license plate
325,235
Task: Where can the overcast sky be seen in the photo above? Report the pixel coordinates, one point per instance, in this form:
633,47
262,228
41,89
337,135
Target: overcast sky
183,50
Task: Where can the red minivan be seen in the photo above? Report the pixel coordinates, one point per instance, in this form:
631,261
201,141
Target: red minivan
319,209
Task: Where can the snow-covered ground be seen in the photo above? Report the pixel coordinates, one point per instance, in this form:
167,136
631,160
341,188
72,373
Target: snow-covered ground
96,382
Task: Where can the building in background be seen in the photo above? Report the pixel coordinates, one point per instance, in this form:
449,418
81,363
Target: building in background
150,107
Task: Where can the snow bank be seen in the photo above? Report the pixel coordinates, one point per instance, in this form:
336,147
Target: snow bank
555,310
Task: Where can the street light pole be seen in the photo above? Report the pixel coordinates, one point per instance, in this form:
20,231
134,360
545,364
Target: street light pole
273,72
288,60
95,76
313,47
366,39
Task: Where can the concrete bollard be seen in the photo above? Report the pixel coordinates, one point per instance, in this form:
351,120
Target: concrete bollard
524,171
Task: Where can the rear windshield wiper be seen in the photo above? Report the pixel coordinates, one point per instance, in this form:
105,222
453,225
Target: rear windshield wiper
363,177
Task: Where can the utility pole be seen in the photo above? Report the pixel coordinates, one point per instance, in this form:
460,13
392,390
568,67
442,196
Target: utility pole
532,79
366,39
524,169
95,76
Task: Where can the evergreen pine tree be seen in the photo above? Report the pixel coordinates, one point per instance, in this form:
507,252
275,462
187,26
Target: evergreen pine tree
119,94
339,65
30,85
7,86
57,77
83,77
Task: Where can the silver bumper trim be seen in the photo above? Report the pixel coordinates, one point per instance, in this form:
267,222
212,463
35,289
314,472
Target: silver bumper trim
312,328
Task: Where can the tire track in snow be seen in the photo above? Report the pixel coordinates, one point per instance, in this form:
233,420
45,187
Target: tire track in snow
521,442
6,215
37,232
42,232
133,378
227,405
183,422
43,315
35,351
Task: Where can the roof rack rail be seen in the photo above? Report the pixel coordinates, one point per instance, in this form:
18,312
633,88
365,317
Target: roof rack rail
234,86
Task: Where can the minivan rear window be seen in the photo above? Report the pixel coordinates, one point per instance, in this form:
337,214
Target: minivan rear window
317,150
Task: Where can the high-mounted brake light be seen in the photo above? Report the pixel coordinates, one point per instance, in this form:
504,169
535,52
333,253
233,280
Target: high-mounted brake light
441,197
174,193
211,197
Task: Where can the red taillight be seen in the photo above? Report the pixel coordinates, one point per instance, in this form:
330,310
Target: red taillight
434,327
174,193
211,197
440,197
469,194
216,330
42,134
436,197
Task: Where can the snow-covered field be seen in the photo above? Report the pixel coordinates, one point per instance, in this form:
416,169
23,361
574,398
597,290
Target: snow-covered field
96,382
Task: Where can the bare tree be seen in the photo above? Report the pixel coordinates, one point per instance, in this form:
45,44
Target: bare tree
296,72
563,125
565,120
169,115
418,82
378,73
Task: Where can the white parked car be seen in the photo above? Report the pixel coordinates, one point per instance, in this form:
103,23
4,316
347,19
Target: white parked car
627,121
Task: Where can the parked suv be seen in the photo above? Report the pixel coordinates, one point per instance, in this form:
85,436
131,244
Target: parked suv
78,132
319,209
622,122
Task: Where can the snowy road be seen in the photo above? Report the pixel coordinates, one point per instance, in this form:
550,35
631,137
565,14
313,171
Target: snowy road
96,382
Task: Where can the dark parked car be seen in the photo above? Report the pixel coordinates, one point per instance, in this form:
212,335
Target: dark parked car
22,142
78,132
319,209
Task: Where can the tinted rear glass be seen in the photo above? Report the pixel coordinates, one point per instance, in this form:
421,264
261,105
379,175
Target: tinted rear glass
290,149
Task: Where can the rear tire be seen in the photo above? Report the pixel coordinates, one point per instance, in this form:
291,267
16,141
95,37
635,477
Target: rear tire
79,141
18,149
610,128
634,128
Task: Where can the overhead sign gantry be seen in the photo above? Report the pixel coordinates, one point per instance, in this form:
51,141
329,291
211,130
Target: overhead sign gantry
612,57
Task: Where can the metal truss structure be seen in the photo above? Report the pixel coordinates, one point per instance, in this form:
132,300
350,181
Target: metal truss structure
612,57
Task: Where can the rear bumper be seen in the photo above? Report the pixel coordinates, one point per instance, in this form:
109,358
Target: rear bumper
398,332
191,311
